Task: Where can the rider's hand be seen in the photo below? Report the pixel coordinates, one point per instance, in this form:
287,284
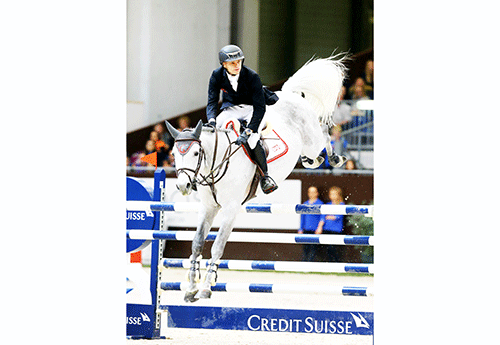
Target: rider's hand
210,124
243,138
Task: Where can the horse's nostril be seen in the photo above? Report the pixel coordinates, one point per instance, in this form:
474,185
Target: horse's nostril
177,187
188,185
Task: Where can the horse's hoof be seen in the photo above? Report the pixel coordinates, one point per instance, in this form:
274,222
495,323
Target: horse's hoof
190,296
207,293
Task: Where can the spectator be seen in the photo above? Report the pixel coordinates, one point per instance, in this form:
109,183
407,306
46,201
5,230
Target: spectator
359,90
342,114
359,93
135,159
332,224
350,165
183,122
170,161
368,78
160,147
309,224
154,136
164,135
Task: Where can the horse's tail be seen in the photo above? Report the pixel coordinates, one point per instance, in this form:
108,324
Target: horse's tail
320,81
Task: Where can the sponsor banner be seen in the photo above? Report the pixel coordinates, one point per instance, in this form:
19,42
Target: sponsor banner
138,190
141,321
271,320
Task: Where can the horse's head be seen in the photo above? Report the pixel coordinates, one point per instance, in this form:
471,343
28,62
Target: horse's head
188,154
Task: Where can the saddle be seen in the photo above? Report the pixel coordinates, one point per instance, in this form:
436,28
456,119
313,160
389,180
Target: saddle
274,147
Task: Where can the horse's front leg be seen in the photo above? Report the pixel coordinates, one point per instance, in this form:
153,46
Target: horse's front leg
206,218
334,159
227,224
326,135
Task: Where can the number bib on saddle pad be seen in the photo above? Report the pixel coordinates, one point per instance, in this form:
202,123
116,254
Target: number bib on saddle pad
275,146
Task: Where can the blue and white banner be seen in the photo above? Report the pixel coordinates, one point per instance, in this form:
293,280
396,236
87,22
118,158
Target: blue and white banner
141,321
271,320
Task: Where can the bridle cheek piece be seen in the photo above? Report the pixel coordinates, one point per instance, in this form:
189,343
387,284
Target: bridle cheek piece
183,146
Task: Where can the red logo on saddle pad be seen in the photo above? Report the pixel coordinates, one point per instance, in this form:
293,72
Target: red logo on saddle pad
277,146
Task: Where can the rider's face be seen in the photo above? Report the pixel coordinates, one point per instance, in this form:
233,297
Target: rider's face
233,67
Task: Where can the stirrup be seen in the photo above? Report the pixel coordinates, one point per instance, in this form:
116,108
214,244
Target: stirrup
271,185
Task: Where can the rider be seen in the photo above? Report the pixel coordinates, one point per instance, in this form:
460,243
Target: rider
244,98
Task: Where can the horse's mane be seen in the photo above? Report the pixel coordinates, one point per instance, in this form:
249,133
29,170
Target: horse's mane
320,82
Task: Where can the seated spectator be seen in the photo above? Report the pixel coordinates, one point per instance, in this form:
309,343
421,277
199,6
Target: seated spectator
170,161
342,113
183,122
135,159
358,94
160,147
164,135
350,165
154,136
359,90
368,77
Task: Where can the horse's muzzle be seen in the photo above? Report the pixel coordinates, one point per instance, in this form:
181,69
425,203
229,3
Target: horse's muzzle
184,184
185,189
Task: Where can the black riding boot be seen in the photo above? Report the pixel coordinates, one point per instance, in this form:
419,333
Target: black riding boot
266,182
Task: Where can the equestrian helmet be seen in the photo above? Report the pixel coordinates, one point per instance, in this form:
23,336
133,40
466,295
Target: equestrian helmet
230,53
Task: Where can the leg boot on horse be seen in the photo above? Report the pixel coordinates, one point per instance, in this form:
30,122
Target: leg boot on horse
193,277
336,161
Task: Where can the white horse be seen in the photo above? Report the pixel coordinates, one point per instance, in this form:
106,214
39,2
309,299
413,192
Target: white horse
307,101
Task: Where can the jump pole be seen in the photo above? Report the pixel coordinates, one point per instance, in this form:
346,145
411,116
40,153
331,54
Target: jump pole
268,208
232,318
279,266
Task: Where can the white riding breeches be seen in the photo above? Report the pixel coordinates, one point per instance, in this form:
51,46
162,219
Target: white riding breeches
240,112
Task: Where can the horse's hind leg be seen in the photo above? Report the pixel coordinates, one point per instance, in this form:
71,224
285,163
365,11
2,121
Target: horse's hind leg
206,218
218,246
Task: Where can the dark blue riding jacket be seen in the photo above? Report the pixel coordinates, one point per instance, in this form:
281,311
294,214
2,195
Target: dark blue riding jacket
249,92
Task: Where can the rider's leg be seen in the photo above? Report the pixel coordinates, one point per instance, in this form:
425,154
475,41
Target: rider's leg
266,183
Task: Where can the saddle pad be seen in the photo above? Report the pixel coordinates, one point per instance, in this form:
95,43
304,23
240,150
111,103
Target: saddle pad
276,146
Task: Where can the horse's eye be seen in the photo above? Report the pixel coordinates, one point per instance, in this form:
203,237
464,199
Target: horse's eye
196,154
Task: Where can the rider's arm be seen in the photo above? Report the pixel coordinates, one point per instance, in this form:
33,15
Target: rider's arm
213,97
259,103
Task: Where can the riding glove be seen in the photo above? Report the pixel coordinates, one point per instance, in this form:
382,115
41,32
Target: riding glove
243,138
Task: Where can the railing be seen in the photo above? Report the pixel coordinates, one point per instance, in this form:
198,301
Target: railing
358,132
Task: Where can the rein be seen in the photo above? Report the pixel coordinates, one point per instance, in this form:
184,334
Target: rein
216,173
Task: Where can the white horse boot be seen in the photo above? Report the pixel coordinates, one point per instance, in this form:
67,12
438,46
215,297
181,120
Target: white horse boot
311,163
210,280
336,161
193,277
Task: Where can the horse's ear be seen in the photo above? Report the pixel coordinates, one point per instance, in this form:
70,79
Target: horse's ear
173,132
197,130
